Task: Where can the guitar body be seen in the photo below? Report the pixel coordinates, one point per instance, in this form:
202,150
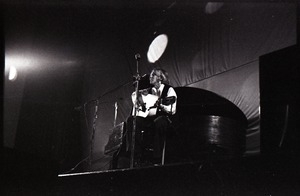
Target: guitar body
150,103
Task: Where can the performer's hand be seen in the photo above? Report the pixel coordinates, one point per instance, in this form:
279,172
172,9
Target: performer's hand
162,107
144,91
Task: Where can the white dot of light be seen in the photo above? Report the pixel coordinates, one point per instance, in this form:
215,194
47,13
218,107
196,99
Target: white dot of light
14,65
157,48
12,73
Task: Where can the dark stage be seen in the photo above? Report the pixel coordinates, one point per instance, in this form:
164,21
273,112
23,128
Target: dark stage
206,178
257,175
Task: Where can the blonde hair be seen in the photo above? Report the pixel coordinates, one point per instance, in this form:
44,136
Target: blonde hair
162,75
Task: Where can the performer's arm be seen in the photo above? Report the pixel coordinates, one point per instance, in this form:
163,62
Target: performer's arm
171,109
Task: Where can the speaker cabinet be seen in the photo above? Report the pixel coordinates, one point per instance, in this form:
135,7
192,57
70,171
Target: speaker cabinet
115,139
279,102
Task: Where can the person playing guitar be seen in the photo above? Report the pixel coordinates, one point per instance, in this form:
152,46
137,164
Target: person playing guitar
155,105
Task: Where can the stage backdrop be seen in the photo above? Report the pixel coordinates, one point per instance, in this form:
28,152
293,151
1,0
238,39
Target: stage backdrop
89,51
217,52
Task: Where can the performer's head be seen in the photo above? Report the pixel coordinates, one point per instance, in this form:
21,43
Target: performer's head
158,76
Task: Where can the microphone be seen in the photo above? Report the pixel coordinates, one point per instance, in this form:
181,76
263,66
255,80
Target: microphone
137,56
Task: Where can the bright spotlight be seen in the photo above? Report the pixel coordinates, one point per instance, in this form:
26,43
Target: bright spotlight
157,48
12,73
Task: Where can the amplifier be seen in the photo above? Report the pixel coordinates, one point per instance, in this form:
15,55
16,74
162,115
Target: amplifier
115,139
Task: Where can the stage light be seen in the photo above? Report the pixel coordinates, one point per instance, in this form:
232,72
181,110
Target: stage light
157,48
12,73
19,62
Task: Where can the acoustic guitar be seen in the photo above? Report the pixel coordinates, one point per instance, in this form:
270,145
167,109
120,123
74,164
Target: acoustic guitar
149,104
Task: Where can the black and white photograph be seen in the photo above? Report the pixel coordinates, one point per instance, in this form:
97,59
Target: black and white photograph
157,97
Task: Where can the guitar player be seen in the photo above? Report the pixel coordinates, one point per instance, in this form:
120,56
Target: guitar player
155,105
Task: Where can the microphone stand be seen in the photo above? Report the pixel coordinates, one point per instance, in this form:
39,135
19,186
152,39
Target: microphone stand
137,79
83,107
93,134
